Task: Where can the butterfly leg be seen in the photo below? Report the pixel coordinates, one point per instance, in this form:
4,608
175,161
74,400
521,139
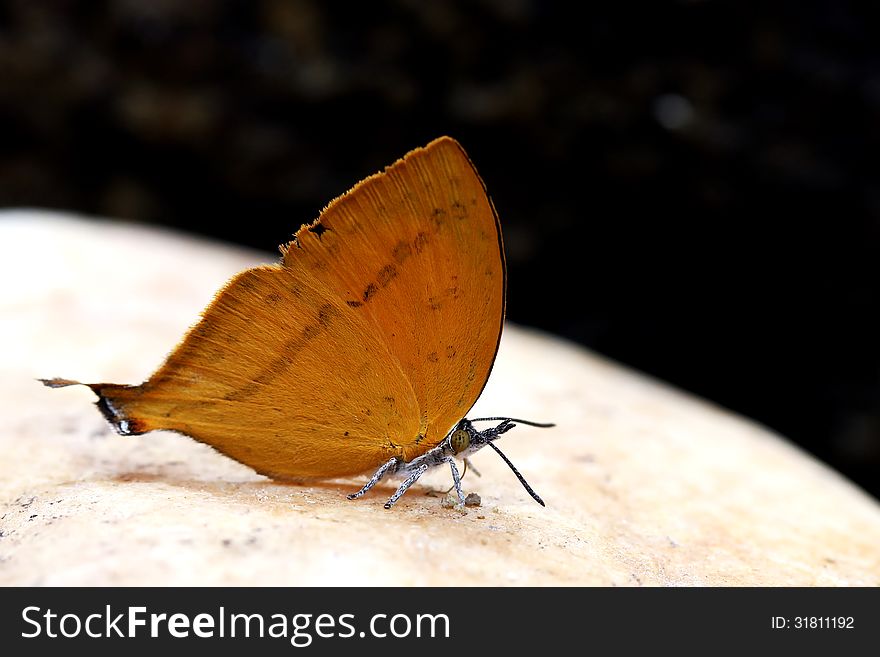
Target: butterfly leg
376,478
456,479
409,481
469,464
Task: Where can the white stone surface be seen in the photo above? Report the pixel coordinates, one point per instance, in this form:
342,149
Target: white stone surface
644,485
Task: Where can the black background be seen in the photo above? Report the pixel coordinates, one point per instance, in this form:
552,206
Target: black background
688,187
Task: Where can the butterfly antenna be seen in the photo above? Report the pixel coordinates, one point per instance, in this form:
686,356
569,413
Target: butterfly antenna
522,480
543,425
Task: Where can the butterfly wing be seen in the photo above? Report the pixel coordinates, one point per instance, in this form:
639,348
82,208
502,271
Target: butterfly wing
428,274
371,339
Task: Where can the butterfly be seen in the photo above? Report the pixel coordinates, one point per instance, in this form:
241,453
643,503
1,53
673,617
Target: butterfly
362,350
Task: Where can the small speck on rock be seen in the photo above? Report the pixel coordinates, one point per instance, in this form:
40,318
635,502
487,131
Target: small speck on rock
473,499
451,501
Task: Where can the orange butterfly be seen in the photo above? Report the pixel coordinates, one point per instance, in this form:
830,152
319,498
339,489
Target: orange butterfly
364,348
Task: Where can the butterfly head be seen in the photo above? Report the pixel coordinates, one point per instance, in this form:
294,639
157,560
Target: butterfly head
465,439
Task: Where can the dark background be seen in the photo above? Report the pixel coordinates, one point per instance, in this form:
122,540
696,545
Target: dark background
690,188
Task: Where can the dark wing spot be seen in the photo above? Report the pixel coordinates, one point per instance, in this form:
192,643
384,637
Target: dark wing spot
353,304
401,251
273,299
420,242
326,314
432,357
318,229
387,274
370,291
450,351
459,211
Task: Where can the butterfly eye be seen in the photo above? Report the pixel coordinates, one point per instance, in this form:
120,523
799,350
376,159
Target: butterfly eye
459,440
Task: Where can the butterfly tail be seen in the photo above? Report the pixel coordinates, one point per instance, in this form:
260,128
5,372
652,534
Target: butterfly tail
112,402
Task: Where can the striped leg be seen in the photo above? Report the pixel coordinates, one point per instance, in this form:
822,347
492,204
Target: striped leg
409,481
376,478
456,479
